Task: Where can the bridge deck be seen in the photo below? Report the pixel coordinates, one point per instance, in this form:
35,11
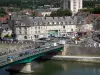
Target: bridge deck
25,53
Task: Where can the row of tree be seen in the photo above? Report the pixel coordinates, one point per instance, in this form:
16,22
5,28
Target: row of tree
95,10
61,12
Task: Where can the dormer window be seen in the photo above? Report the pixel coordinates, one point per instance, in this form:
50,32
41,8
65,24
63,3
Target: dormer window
17,22
22,24
63,26
35,23
80,22
40,23
55,23
71,22
59,22
46,23
63,23
66,22
50,23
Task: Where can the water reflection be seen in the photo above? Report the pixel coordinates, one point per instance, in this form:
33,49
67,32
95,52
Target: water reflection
64,66
60,68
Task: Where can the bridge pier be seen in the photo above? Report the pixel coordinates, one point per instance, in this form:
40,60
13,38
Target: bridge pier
23,68
26,68
64,51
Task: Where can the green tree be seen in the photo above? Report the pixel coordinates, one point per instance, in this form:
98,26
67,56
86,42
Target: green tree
96,10
61,13
53,13
67,13
2,12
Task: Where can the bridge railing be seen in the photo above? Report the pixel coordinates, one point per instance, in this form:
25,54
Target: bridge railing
25,53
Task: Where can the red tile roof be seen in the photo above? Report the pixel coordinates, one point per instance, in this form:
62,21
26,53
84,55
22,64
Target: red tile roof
3,18
96,15
92,17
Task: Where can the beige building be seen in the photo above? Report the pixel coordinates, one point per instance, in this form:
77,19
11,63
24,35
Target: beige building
33,28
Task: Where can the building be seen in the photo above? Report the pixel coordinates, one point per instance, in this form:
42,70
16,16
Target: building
46,11
29,28
4,27
73,5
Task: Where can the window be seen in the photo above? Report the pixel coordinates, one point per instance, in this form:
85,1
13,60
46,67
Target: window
59,22
20,32
35,32
19,28
31,37
63,26
65,22
55,23
46,23
72,30
40,23
50,22
22,24
38,31
39,27
35,23
35,27
25,37
25,32
25,28
36,36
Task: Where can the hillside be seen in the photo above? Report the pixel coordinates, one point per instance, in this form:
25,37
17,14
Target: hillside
36,3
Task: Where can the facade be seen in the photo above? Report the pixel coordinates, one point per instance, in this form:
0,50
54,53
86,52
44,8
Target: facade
45,13
29,28
73,5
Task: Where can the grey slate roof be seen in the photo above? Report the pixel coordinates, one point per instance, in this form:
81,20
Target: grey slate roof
29,21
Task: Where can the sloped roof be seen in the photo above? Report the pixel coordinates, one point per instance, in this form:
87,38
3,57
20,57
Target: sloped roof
2,19
32,20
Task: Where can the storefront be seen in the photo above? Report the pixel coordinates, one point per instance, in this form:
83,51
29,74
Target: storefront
53,33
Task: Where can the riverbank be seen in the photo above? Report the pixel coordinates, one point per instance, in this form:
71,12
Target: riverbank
91,59
78,53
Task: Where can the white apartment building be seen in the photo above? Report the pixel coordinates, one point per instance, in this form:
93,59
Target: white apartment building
73,5
29,28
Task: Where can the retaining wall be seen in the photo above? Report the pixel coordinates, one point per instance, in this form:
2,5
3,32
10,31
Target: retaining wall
80,50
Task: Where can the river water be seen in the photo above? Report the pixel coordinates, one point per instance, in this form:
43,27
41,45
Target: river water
50,67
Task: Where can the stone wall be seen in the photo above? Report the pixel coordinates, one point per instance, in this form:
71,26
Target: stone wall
81,50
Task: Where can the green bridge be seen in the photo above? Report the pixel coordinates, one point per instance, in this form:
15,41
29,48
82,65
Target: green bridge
21,60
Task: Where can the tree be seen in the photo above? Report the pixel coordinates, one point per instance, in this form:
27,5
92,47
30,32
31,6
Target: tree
96,10
53,14
61,13
2,12
67,13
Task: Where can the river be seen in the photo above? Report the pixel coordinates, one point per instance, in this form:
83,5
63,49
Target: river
50,67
